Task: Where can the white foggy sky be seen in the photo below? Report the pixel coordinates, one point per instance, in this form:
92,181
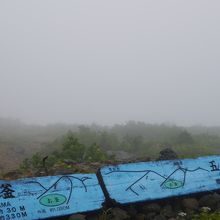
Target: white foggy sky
110,61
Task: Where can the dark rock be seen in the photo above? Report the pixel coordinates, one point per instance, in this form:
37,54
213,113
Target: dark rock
218,208
94,217
150,215
152,207
189,214
159,217
119,214
167,154
190,204
210,201
140,217
177,205
77,217
167,211
131,211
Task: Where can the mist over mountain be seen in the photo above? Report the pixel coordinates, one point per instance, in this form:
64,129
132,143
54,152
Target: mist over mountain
19,140
91,77
101,62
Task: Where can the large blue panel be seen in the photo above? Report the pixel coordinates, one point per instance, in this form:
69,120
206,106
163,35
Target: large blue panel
127,183
43,197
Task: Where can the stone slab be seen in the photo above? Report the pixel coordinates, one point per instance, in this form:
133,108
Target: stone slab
51,196
145,181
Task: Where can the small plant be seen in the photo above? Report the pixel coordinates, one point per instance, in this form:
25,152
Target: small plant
94,153
105,215
207,216
37,163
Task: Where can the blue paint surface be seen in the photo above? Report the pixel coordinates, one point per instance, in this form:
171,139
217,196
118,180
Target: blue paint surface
43,197
53,196
128,183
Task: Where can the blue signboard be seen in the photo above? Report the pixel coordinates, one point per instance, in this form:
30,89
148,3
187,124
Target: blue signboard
44,197
135,182
53,196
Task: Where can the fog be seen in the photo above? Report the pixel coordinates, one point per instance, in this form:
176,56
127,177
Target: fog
110,61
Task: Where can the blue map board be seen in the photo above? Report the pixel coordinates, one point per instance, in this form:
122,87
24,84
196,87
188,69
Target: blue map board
136,182
51,196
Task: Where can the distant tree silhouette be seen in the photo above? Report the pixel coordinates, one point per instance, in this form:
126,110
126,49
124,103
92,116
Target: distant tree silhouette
185,138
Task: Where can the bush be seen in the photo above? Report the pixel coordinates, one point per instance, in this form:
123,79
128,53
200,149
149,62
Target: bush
72,149
95,153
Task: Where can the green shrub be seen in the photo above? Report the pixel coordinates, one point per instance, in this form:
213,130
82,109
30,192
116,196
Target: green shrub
95,153
207,216
72,149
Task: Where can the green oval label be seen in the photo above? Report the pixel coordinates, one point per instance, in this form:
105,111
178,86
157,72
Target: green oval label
53,200
173,184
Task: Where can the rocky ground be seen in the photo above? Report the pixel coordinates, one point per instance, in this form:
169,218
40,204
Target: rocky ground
204,206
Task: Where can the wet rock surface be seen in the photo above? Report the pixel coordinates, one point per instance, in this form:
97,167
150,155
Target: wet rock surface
167,154
77,217
190,204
